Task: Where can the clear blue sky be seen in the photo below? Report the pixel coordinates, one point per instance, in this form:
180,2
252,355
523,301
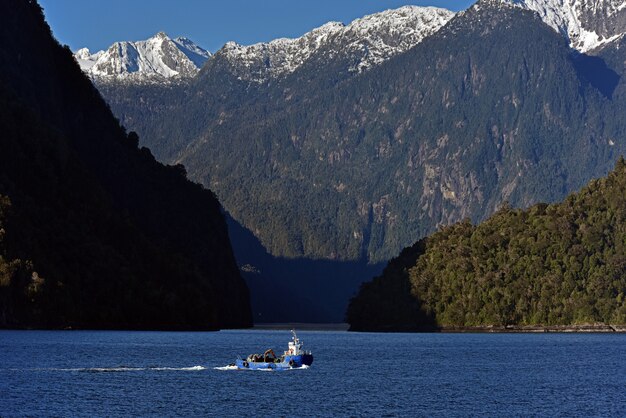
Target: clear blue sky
96,24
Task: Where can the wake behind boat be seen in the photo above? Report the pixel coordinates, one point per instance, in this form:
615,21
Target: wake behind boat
294,357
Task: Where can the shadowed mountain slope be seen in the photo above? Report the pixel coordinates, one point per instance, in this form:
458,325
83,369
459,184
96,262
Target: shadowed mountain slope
94,232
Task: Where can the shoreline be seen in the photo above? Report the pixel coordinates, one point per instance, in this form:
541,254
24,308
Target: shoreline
502,329
304,326
584,328
301,326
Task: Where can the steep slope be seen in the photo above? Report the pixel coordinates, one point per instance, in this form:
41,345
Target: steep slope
154,60
586,24
94,232
559,264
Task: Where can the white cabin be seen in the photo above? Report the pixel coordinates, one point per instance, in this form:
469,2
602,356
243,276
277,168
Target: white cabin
295,346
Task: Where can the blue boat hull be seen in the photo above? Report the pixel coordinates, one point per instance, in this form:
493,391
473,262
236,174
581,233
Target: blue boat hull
300,360
289,362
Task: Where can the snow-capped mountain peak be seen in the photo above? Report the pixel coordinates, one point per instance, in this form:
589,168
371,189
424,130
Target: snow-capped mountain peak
83,54
196,54
156,58
86,59
368,41
586,24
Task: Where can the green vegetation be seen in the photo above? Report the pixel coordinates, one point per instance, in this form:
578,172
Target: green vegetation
94,232
558,264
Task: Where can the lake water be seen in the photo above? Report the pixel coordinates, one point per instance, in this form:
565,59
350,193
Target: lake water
89,373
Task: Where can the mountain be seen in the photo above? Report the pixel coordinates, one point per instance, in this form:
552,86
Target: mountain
559,264
358,167
94,233
154,60
222,88
586,24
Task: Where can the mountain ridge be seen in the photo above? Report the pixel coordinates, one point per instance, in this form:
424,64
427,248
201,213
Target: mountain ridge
369,40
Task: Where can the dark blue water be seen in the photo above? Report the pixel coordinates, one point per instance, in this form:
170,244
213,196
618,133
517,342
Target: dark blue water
154,373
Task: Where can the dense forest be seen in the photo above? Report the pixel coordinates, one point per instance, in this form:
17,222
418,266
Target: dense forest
94,233
557,264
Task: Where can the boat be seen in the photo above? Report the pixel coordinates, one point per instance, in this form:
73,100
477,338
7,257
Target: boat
294,357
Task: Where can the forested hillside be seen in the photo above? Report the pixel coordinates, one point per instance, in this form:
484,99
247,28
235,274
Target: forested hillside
558,264
93,231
